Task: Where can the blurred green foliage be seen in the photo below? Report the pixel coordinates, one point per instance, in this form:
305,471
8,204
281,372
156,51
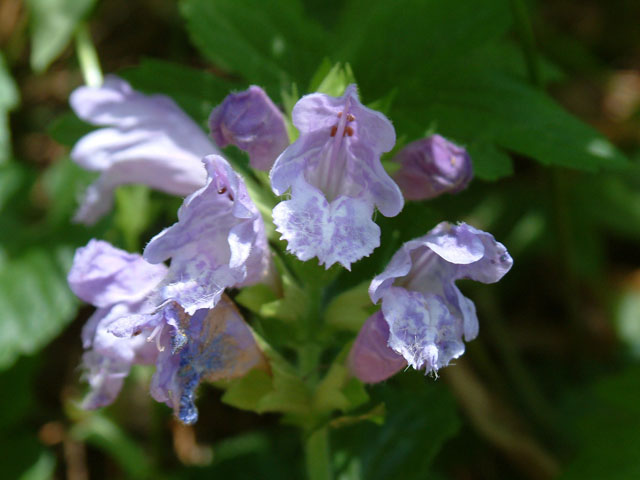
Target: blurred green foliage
570,217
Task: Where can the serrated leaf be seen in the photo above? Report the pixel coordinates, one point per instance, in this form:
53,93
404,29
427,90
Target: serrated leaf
53,23
427,37
474,104
268,42
418,422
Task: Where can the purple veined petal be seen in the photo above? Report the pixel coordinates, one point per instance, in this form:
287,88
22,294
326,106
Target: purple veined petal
218,346
148,140
217,243
422,329
105,376
318,112
371,360
338,232
427,314
432,166
338,156
104,275
250,121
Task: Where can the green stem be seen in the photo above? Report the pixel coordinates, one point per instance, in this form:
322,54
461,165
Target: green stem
318,459
88,57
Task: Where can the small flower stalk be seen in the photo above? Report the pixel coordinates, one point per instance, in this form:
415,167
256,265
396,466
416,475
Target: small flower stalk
252,122
336,180
431,167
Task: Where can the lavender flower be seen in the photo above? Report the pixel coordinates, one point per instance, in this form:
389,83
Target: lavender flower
211,345
218,242
250,121
130,328
371,360
336,179
426,313
148,140
118,283
432,166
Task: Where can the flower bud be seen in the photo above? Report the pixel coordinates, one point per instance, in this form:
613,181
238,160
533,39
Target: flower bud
432,166
371,360
250,121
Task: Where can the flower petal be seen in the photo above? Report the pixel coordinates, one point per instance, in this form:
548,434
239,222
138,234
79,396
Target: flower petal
250,121
218,241
422,329
339,232
371,359
104,275
150,141
219,346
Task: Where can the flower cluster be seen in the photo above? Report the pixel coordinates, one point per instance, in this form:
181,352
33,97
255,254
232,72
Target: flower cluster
180,318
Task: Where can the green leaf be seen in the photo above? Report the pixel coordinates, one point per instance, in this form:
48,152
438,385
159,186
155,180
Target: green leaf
67,129
428,35
9,99
282,391
35,301
418,422
204,90
474,104
607,422
246,392
268,42
350,309
332,80
53,23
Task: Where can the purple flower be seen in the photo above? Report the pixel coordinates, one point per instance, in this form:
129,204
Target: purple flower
211,345
432,166
129,327
371,360
217,243
250,121
426,313
336,179
118,283
148,140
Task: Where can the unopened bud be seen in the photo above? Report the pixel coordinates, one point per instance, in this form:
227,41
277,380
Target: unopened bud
250,121
432,166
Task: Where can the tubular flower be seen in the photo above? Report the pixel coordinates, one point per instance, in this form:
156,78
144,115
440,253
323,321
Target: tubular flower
333,170
371,360
426,313
147,140
210,345
432,166
118,283
218,242
250,121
